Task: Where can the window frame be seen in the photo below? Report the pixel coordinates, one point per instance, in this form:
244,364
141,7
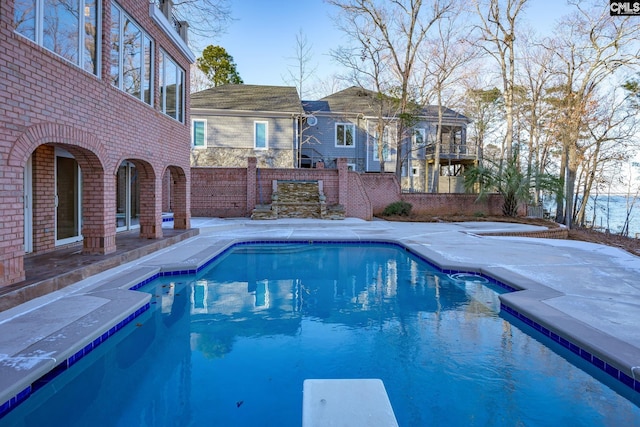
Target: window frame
421,131
39,15
255,134
179,112
193,134
143,61
346,125
386,136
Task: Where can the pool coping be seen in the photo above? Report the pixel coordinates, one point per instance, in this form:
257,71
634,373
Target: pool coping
525,303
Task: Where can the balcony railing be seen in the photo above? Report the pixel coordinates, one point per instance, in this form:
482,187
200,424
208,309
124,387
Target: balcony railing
454,151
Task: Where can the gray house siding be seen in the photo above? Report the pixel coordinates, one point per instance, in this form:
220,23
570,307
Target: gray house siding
231,112
230,140
322,141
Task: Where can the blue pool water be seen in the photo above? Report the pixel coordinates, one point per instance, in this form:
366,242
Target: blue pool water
233,345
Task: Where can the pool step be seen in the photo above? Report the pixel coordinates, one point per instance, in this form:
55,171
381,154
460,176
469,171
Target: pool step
42,342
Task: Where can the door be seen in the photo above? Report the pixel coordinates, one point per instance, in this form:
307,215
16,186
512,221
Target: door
67,199
127,197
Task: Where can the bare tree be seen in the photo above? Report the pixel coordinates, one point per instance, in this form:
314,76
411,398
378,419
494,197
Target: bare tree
445,58
535,80
396,29
498,27
302,68
611,129
198,80
207,19
591,46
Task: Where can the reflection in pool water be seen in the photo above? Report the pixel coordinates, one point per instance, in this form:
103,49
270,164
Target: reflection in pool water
232,346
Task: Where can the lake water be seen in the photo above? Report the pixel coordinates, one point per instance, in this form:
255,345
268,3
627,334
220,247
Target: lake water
610,212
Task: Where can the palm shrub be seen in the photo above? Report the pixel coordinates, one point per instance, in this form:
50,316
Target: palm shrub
509,181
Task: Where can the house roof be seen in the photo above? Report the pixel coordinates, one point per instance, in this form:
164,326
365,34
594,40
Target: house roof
357,100
243,97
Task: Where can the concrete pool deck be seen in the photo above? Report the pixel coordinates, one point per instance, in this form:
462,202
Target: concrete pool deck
586,293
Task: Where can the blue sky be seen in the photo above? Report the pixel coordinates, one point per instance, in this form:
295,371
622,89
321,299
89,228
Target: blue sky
262,37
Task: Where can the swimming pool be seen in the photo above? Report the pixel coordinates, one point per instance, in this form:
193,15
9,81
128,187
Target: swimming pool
232,345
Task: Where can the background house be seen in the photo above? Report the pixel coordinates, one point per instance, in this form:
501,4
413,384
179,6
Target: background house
233,122
361,126
94,128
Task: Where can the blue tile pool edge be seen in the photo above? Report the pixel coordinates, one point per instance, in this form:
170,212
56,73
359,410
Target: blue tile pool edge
614,372
594,360
16,400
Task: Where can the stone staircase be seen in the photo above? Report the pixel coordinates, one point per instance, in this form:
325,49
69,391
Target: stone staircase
298,199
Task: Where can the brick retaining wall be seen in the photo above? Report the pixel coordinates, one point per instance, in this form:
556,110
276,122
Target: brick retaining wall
234,192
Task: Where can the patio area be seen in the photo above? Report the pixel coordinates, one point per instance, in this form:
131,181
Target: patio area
58,269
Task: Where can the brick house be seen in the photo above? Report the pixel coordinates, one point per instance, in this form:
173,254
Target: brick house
94,129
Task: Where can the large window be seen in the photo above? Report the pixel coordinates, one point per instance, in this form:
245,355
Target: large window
345,134
131,56
171,87
419,137
199,133
69,28
260,135
385,145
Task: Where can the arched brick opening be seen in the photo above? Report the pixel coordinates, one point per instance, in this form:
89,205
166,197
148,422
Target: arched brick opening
179,195
98,226
150,199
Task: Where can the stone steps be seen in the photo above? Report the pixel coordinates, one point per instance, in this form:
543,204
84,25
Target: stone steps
298,199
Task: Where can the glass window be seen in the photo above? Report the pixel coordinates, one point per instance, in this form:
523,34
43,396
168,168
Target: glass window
419,137
385,145
146,83
171,87
69,28
24,18
131,56
60,30
90,60
345,134
260,135
199,133
115,46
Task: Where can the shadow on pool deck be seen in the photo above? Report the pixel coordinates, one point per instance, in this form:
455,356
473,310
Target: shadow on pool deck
49,272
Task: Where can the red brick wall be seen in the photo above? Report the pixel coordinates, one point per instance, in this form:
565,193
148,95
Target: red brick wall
358,203
382,190
451,204
46,100
225,192
219,192
43,194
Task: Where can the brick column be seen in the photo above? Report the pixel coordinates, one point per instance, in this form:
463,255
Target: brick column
181,199
12,230
98,208
251,184
43,204
343,181
150,206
